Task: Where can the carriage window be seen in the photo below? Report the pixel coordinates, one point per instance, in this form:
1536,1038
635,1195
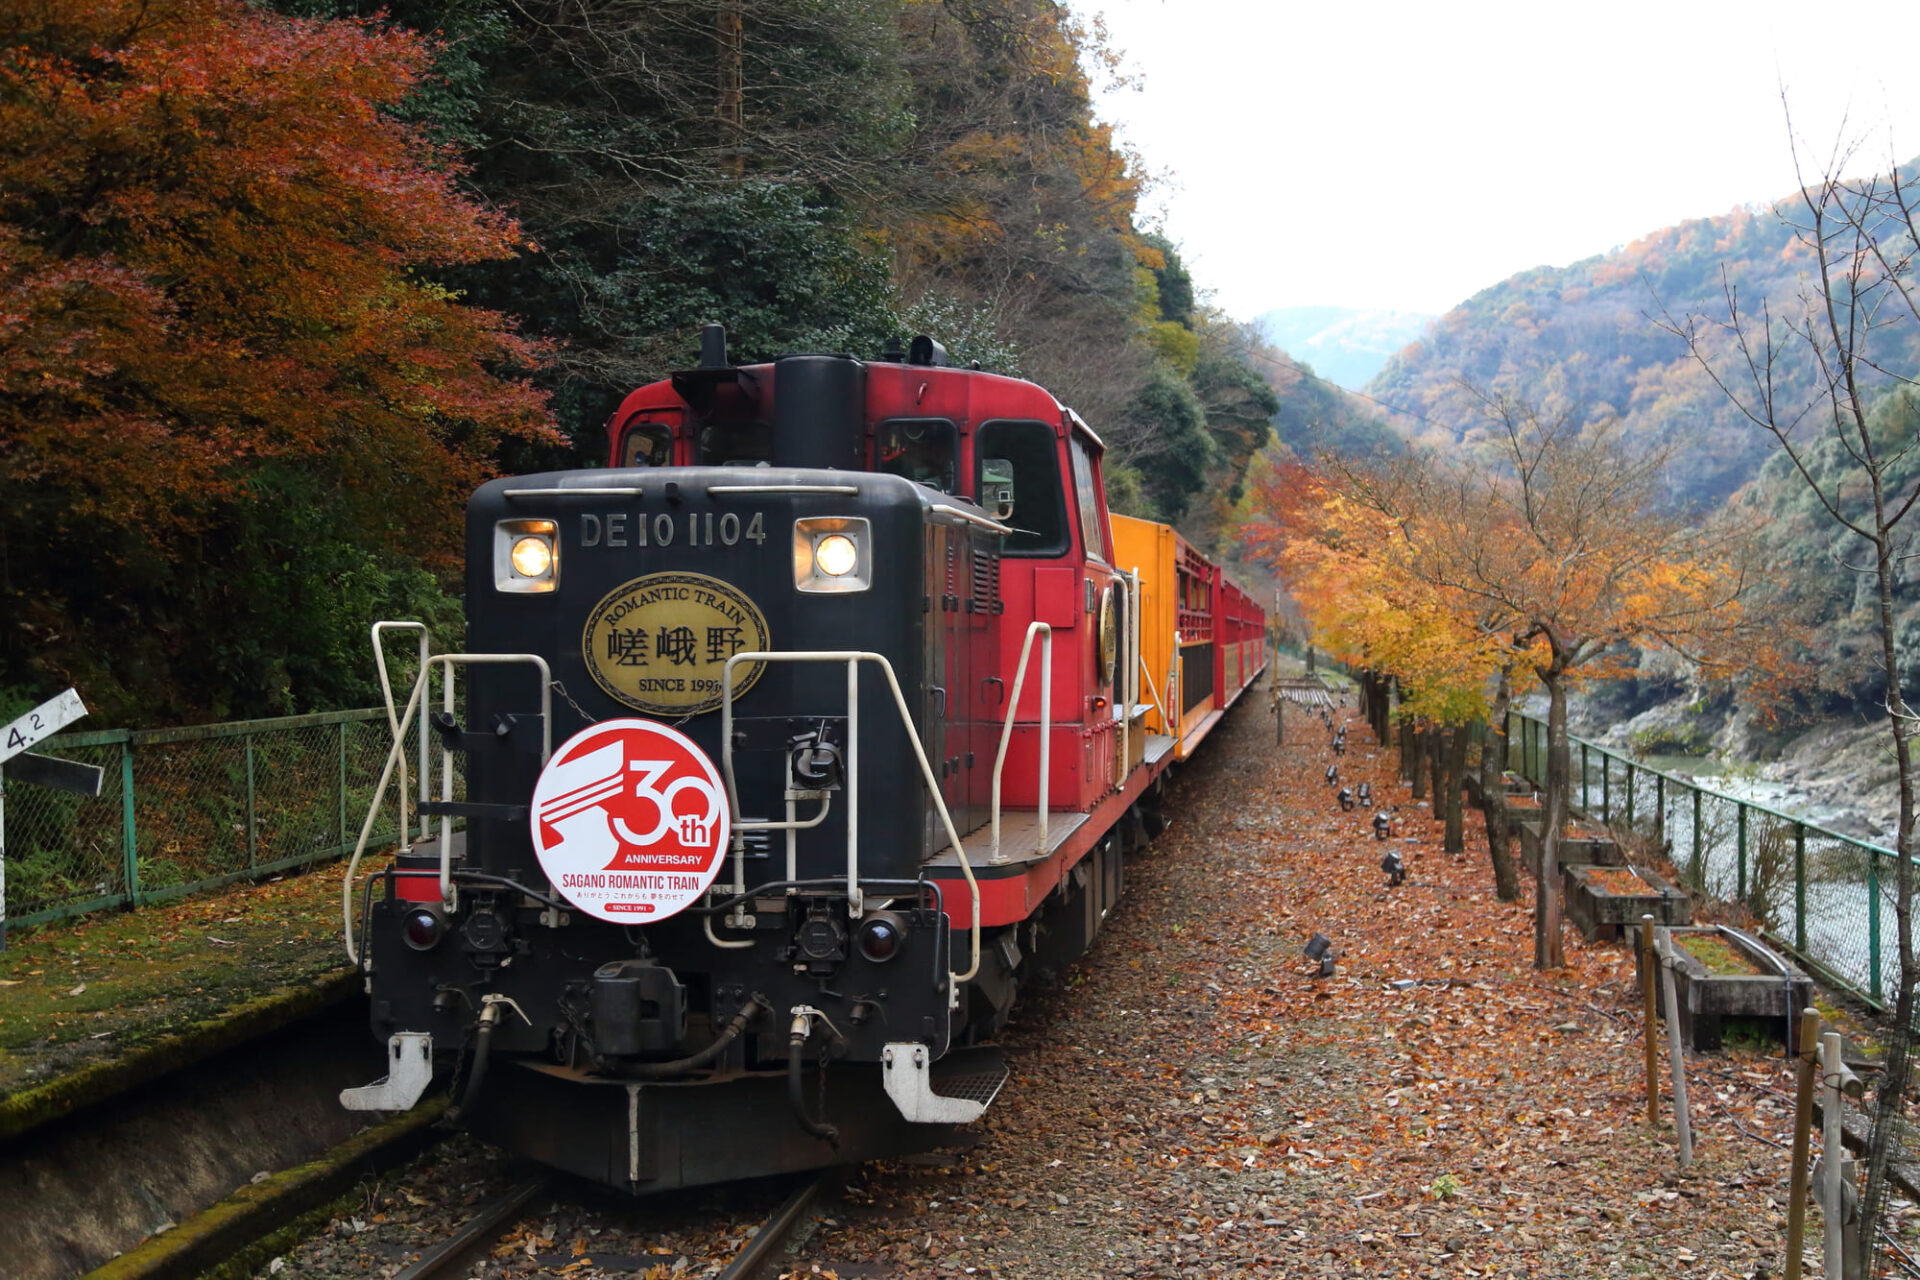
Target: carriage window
735,444
648,444
921,449
1092,533
1032,450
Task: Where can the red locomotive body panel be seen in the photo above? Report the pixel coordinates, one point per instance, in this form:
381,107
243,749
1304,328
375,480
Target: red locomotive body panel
1056,570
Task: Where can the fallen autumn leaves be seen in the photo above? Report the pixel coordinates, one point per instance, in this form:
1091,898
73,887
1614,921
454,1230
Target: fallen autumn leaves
1190,1102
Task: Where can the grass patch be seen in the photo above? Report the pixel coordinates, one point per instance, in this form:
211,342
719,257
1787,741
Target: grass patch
78,993
1722,958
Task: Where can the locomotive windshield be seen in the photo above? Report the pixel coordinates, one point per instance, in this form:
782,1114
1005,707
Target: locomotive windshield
924,450
647,444
735,444
1039,516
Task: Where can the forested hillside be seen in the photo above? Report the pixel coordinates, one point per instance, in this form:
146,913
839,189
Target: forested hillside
276,288
1589,337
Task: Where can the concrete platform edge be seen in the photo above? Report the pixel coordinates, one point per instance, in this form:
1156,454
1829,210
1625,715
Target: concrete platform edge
228,1226
40,1104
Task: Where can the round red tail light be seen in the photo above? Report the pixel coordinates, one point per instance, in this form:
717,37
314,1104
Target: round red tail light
882,935
424,927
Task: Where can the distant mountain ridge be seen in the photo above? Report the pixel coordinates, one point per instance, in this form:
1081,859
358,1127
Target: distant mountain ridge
1587,337
1345,345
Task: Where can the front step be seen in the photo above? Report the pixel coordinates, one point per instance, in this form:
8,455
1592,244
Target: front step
943,1093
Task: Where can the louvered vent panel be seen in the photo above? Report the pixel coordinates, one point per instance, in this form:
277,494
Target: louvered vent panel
986,581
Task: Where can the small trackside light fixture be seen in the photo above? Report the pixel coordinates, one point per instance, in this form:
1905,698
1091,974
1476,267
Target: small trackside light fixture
1382,825
1396,869
423,927
526,555
1320,948
832,554
1346,799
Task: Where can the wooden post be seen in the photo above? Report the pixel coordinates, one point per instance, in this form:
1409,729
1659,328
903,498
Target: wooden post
1806,1070
1681,1123
1649,975
1831,1209
1835,1079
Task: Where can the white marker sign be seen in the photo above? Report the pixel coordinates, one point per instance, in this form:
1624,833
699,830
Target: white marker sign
43,721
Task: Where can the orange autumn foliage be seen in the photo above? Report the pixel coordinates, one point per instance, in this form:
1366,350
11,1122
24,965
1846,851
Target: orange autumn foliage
213,235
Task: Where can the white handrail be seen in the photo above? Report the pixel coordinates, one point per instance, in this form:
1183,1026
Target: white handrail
1154,689
448,660
853,658
396,754
394,722
1045,632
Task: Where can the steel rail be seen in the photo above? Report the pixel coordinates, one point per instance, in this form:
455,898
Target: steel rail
759,1250
481,1230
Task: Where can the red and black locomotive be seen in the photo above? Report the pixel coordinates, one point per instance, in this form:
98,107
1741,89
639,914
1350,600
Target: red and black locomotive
784,749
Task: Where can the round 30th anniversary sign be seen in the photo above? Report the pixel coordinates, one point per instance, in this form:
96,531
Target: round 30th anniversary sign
630,821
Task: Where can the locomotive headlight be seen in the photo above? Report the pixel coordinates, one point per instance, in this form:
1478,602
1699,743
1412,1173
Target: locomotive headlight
531,557
832,554
526,555
836,555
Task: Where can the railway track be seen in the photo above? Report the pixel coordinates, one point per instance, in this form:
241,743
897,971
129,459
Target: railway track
454,1255
1306,691
480,1231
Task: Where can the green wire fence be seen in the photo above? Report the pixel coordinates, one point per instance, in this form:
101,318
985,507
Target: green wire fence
1825,897
188,809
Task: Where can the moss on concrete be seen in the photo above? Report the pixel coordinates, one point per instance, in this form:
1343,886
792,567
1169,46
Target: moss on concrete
237,1223
195,1042
93,1007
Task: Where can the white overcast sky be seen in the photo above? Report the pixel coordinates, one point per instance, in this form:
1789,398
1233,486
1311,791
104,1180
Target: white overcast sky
1407,156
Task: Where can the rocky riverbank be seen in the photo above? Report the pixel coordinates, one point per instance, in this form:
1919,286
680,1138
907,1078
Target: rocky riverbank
1839,774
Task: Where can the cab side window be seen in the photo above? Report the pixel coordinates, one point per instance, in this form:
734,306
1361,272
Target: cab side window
1092,528
924,450
1019,465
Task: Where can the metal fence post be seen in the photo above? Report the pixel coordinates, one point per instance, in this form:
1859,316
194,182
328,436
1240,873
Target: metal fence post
253,836
1631,770
129,839
1584,766
343,784
1698,867
1800,887
1873,924
1740,853
1606,788
1660,806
